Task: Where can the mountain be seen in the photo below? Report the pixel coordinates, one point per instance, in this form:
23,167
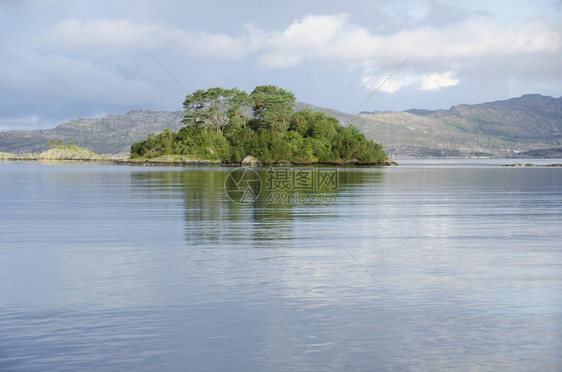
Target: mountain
530,125
111,134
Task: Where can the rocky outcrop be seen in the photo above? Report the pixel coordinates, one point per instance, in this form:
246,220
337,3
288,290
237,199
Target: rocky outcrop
68,152
7,156
250,161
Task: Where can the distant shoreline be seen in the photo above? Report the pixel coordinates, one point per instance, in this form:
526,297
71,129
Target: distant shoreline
532,165
166,162
185,163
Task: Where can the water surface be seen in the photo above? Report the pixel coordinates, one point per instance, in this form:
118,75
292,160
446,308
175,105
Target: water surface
432,265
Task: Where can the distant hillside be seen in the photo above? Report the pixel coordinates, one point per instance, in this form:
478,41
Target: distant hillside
530,125
111,134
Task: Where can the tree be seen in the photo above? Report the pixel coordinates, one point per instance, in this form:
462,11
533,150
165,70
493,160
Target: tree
215,108
195,108
219,102
273,107
55,143
240,108
322,126
300,121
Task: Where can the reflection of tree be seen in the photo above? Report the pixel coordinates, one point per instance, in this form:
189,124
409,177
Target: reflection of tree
211,217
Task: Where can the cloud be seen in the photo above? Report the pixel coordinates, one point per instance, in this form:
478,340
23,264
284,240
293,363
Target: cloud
473,39
316,37
99,38
214,46
44,76
335,39
438,80
382,84
302,39
373,79
110,34
106,51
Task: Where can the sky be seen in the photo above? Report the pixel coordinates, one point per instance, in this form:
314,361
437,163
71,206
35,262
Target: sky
62,59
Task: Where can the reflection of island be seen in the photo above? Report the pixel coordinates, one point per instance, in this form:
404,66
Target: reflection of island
212,216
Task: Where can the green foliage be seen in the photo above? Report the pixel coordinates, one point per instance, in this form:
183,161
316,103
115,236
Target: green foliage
195,113
272,108
243,142
195,141
55,143
229,124
299,122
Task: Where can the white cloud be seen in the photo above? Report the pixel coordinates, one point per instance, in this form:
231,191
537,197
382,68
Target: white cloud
318,39
312,32
110,34
373,79
321,37
383,85
303,38
334,38
473,39
438,80
214,46
99,38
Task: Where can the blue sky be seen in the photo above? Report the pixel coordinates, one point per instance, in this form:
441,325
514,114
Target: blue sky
76,59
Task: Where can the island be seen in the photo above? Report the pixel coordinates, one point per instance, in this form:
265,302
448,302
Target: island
230,126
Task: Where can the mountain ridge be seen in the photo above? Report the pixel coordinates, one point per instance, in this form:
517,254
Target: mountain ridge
110,134
530,125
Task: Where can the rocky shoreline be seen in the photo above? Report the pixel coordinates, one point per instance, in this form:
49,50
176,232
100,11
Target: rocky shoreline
82,155
176,163
532,165
87,156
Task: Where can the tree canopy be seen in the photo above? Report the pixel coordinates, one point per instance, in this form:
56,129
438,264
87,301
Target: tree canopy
230,124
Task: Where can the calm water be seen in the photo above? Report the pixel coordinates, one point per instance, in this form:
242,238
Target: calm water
131,268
